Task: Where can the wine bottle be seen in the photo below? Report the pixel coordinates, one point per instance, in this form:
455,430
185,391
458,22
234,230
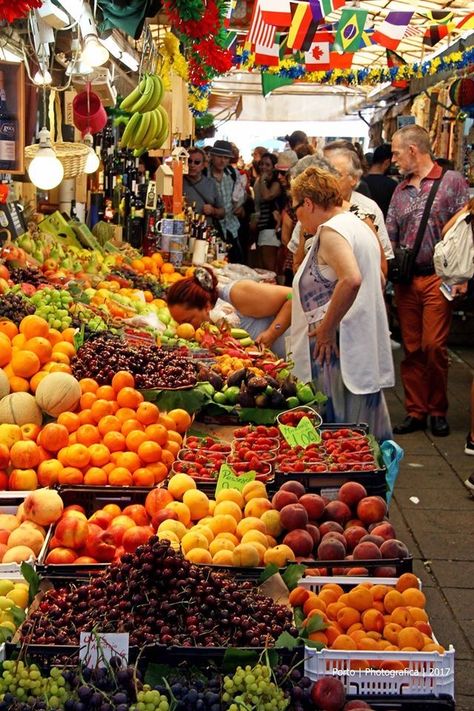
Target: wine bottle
8,129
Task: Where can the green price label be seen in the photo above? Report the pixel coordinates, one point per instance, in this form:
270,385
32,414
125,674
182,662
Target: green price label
301,436
228,479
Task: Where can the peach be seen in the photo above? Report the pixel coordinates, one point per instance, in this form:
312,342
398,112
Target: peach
156,500
351,493
18,554
331,549
370,538
134,537
283,498
335,535
163,515
384,529
184,514
223,557
295,487
43,506
385,571
255,537
328,526
300,542
101,546
193,539
252,523
353,522
245,554
328,693
394,548
22,480
199,556
25,455
314,505
8,522
366,551
74,514
257,506
229,508
61,556
279,555
371,509
230,495
220,544
26,536
271,519
254,489
101,518
84,560
137,513
197,503
293,516
353,536
357,705
176,527
205,530
72,532
337,511
179,483
313,531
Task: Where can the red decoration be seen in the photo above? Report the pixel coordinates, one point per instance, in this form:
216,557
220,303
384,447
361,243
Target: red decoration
213,55
11,10
207,25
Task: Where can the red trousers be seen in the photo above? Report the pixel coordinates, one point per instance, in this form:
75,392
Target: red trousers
425,319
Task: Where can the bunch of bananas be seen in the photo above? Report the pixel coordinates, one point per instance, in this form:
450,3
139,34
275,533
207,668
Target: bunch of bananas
148,127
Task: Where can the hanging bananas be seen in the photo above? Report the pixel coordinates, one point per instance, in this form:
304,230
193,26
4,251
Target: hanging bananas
148,126
147,96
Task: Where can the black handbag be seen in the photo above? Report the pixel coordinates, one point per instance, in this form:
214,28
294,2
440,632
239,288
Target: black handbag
401,268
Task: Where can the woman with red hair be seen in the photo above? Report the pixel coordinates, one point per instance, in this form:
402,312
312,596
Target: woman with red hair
264,310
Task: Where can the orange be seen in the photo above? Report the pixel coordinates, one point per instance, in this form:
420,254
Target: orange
19,340
78,456
147,413
70,421
54,336
167,458
159,471
114,441
41,346
181,418
60,358
166,268
95,477
25,363
138,265
101,408
143,477
125,413
157,433
87,400
173,437
86,417
105,392
167,422
131,426
120,477
54,437
149,452
88,434
36,380
59,368
173,447
70,475
32,326
68,335
122,379
134,439
8,328
88,385
129,460
129,397
109,423
19,385
66,348
100,455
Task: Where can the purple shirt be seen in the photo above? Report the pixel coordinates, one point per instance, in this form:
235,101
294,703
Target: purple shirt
407,206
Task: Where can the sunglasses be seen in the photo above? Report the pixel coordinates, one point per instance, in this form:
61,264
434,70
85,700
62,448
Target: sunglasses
195,162
293,208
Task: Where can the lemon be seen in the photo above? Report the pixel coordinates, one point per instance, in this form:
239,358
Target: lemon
6,586
19,597
5,603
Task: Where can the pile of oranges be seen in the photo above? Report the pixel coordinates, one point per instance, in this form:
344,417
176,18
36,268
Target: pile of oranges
158,267
115,437
32,350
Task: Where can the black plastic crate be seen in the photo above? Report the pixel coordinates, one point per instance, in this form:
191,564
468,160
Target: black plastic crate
409,703
328,483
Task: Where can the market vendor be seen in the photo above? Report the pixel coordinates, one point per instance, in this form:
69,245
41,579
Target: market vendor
264,309
339,330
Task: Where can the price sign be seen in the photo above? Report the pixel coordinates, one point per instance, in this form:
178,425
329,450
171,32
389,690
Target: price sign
228,479
301,436
96,649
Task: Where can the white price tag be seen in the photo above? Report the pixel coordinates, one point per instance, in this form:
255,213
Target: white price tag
96,648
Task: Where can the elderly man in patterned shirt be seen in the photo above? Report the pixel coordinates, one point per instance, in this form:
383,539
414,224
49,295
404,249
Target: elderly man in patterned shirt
221,153
424,313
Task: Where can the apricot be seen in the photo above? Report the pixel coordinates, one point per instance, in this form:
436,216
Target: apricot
313,603
254,489
343,641
418,614
360,598
357,635
372,620
251,523
390,632
182,511
271,519
26,536
433,647
223,558
319,637
348,616
392,600
279,555
193,539
228,536
206,531
333,608
245,554
220,545
257,506
379,591
228,508
261,550
199,555
197,503
231,495
410,637
176,527
367,643
407,580
179,483
222,523
255,537
402,617
412,597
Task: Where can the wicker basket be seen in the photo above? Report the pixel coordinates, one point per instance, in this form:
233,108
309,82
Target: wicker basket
73,156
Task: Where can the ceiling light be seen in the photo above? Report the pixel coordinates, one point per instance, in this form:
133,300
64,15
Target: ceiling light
45,171
119,51
92,160
42,78
93,52
130,61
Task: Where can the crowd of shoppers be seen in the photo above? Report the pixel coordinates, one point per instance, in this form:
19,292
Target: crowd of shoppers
327,223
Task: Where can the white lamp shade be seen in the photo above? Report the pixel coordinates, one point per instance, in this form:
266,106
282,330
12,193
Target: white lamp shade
46,171
94,53
92,162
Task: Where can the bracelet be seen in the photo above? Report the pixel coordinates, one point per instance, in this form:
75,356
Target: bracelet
277,326
289,296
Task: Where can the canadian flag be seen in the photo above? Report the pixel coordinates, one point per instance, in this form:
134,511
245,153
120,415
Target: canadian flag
317,58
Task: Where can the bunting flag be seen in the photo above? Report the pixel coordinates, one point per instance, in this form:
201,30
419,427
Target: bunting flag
260,32
439,17
392,30
435,33
467,23
228,13
276,12
317,58
230,41
341,61
366,38
270,82
394,60
270,56
322,8
303,26
350,29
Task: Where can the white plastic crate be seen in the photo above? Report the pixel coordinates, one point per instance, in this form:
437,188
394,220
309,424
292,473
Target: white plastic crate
426,673
9,502
316,582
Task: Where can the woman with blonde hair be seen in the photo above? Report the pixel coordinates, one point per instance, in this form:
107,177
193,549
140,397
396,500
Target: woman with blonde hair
339,333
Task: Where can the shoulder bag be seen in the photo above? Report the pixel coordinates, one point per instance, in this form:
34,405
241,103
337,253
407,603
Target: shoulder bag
402,267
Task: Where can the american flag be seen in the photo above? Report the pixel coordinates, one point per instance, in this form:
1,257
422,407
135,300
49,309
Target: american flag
260,33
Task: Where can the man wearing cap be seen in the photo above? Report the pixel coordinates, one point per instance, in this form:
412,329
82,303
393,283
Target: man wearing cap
381,186
200,190
221,153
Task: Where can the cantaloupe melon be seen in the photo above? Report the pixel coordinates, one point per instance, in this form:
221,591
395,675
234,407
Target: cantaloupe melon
20,409
57,393
4,384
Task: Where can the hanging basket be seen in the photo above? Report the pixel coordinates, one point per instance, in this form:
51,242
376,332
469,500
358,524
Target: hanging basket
73,156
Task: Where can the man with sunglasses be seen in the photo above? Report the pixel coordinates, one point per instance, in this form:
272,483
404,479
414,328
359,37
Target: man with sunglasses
200,189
